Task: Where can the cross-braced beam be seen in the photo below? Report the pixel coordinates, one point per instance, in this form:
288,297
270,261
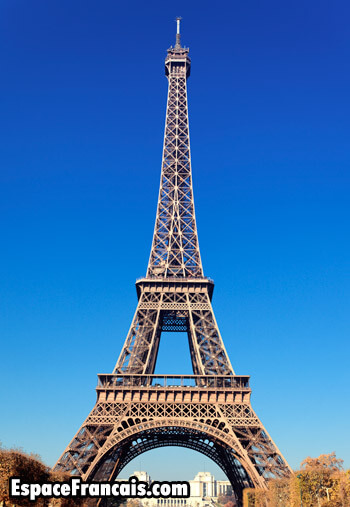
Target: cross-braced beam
175,249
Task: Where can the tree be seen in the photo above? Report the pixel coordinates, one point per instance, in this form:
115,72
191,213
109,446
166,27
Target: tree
30,468
321,482
15,463
255,498
324,461
225,499
318,477
279,494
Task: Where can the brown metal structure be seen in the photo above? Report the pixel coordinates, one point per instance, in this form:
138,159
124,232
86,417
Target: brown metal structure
208,411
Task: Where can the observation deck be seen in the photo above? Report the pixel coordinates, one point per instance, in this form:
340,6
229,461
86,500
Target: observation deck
175,284
125,388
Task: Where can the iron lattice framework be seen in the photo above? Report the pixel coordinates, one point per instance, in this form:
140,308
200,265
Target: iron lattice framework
209,411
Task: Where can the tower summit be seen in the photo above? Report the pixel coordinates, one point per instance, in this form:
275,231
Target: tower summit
209,411
178,55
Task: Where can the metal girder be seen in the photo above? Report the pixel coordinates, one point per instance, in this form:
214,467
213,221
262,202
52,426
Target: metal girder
175,249
146,409
184,309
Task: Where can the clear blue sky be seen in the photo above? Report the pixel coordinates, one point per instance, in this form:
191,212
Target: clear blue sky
83,97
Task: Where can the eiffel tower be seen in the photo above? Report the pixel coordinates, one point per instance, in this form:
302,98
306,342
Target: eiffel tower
208,411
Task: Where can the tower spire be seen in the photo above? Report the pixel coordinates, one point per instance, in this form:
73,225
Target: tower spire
175,248
178,36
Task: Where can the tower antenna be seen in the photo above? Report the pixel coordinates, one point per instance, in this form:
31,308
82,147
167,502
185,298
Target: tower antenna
178,43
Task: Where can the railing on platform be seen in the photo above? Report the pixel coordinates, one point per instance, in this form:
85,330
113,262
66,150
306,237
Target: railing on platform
106,381
155,278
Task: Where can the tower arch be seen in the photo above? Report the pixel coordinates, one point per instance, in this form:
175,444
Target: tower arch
215,445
